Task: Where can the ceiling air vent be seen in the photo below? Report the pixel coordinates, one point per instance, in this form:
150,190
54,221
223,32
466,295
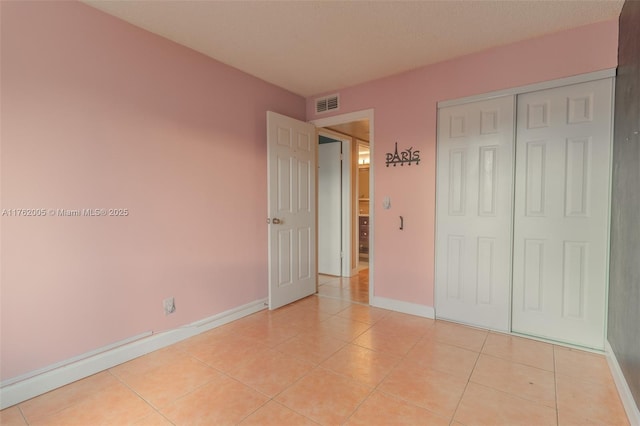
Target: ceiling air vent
327,103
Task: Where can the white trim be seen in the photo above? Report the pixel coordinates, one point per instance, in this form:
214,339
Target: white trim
404,307
73,360
13,392
575,79
554,342
346,118
633,411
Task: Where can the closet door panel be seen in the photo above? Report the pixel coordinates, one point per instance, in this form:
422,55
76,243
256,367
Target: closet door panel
561,217
474,212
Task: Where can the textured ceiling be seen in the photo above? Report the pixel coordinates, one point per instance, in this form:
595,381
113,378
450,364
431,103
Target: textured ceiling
311,47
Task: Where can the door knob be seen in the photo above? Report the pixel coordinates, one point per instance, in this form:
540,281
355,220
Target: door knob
276,221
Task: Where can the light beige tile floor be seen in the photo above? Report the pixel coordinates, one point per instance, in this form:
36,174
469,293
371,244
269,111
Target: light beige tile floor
354,288
328,361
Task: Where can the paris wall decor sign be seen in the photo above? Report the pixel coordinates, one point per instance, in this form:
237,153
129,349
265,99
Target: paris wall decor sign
407,156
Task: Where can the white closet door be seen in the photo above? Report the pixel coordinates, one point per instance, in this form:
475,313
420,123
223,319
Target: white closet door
474,212
561,213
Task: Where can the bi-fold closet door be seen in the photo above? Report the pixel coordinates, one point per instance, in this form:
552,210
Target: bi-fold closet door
539,187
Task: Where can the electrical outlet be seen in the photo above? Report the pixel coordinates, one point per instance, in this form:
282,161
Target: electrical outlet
169,305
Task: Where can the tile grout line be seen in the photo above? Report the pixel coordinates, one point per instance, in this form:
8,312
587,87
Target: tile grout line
352,342
269,398
153,407
22,414
475,364
59,410
355,302
394,396
374,388
273,398
360,403
544,370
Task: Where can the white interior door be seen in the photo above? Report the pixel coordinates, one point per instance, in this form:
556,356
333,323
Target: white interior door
291,182
562,213
330,208
474,212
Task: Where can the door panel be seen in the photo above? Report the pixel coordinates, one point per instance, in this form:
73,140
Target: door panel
561,213
474,212
329,208
291,209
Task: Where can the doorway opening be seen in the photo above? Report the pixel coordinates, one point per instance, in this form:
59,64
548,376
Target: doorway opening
333,204
354,283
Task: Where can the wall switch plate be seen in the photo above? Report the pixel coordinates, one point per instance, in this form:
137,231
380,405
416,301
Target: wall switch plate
386,203
169,305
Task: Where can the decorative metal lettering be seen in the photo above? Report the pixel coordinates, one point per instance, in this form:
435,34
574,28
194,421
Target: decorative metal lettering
407,156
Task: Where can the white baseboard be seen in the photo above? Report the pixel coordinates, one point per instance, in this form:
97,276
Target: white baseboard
25,387
404,307
633,413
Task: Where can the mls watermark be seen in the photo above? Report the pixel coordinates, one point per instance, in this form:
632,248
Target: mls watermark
101,212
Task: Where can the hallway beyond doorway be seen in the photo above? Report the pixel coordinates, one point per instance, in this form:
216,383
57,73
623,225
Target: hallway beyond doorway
354,289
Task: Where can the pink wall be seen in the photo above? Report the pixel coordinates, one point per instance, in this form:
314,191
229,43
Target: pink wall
405,112
99,114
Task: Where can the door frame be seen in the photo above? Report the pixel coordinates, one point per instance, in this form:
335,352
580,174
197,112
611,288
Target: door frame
543,85
345,194
347,118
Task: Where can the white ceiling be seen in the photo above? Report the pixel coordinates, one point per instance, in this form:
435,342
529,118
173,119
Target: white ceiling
311,47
